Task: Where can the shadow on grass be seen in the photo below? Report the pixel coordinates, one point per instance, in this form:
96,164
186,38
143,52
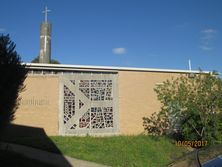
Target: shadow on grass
19,134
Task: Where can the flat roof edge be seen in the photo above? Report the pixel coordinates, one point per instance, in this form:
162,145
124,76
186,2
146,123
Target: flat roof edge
67,67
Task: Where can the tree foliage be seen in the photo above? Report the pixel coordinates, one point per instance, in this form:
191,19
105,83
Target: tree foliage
53,61
35,60
12,76
191,109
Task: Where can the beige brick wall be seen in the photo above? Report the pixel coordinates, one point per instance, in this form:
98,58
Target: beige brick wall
39,105
137,98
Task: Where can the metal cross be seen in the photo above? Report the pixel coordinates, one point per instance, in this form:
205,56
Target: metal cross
46,11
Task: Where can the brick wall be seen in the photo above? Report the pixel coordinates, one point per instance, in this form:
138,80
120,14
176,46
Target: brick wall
39,104
137,98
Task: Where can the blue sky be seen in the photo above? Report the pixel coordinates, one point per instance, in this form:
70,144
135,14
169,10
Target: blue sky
133,33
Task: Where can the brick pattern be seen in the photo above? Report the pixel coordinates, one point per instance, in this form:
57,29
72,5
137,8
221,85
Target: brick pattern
137,98
39,104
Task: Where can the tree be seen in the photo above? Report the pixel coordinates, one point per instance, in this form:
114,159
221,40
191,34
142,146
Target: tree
35,60
191,109
12,76
53,61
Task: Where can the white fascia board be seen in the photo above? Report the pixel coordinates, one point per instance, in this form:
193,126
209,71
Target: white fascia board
102,68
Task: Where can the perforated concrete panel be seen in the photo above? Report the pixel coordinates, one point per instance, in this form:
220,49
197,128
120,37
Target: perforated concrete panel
88,104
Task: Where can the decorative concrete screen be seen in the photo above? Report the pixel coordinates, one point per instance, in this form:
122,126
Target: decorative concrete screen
88,103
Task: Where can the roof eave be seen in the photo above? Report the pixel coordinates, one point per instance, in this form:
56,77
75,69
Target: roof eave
67,67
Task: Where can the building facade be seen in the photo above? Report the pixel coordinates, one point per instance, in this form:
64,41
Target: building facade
80,100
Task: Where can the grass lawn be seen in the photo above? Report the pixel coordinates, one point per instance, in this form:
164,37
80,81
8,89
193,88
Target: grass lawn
117,151
124,151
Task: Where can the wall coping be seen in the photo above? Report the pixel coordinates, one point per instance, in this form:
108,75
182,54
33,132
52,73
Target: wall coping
66,67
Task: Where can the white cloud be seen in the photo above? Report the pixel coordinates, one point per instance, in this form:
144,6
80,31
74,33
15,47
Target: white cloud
119,51
206,47
209,31
207,39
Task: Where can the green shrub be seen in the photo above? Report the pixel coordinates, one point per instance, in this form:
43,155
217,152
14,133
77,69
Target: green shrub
191,109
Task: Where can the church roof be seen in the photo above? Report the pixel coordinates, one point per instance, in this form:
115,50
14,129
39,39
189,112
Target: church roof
69,68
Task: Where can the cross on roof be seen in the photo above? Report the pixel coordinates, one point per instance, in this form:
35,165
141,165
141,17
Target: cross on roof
46,11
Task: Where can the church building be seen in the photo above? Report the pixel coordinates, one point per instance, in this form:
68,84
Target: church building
95,100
